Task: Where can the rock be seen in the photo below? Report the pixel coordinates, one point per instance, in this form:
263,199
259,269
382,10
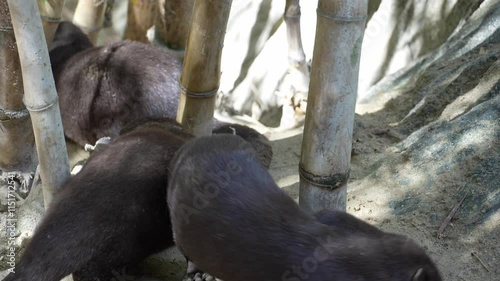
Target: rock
444,114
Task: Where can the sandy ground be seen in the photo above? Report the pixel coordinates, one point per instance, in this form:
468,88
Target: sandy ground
462,253
453,253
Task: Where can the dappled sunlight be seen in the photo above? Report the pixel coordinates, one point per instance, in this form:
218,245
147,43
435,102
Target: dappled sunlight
489,225
366,201
477,136
363,107
276,135
387,183
288,180
462,103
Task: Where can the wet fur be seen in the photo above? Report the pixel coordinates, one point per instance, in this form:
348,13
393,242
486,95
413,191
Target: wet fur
251,230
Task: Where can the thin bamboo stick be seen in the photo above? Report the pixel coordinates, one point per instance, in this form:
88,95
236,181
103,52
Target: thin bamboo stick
178,17
51,13
296,55
161,23
17,143
140,17
89,16
326,145
298,70
201,71
40,96
172,24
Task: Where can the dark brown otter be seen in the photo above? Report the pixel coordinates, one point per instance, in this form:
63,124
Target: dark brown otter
114,212
101,89
232,221
111,214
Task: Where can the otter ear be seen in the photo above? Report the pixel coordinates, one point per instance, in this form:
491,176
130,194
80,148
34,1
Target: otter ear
419,275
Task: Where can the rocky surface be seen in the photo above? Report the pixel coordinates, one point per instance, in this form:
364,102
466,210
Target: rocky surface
426,138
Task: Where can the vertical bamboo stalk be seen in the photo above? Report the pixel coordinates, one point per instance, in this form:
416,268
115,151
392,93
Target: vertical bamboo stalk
326,145
296,55
140,17
40,96
51,13
172,23
297,66
17,143
89,16
201,71
178,17
161,23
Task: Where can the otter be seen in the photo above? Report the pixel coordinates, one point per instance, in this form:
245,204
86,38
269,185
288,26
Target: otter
113,213
101,89
231,219
259,142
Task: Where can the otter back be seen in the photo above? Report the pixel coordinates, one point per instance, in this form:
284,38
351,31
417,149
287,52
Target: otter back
101,89
111,214
232,220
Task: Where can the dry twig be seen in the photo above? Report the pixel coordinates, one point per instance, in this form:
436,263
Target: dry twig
482,263
449,217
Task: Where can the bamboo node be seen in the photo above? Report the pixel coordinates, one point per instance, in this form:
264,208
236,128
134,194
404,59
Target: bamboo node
333,17
42,107
198,95
330,182
52,19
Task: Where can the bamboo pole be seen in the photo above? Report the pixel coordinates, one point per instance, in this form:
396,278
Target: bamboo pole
326,145
40,96
178,17
140,17
17,143
298,70
51,13
89,16
161,24
296,57
172,24
201,71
